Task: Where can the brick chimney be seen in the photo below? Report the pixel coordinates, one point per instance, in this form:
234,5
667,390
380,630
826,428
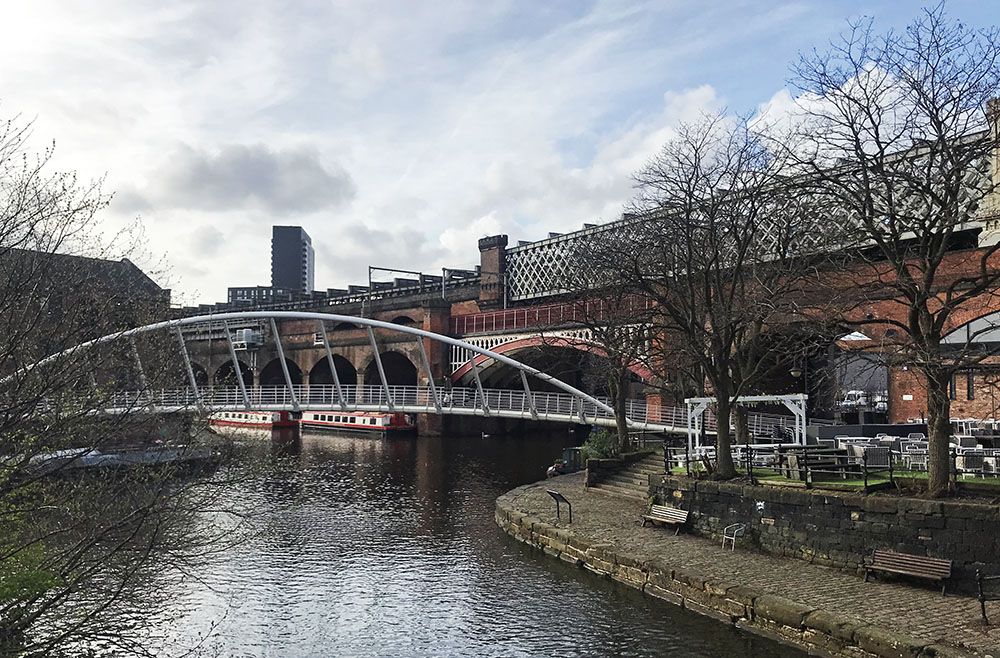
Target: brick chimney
493,270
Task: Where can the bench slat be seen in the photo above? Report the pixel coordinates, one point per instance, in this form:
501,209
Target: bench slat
921,566
664,514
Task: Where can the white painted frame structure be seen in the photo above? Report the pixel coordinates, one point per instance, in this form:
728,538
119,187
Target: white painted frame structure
796,403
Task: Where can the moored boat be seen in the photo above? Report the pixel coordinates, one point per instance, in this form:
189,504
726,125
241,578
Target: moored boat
369,422
252,419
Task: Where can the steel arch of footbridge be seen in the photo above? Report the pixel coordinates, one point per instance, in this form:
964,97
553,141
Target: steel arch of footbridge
321,319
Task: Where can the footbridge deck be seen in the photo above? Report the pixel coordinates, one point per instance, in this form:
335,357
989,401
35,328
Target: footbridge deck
501,403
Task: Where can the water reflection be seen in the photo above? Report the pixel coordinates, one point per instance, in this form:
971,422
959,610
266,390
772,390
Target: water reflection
388,547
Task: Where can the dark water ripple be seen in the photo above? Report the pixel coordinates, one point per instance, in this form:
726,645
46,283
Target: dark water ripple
388,548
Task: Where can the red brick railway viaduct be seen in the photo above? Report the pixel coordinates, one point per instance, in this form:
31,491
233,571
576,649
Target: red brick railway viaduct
477,311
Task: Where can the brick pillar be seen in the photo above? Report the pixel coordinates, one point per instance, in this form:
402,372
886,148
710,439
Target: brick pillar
437,319
654,405
990,235
492,271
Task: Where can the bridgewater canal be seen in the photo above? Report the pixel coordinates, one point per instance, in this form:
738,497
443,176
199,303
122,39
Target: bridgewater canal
389,548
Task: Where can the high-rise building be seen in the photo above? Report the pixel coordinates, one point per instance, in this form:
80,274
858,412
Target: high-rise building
293,261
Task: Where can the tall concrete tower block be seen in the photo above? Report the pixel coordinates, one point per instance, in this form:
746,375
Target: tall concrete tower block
293,261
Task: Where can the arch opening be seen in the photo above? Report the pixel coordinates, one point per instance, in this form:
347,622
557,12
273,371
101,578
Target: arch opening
200,375
405,321
344,326
399,370
226,374
320,373
272,374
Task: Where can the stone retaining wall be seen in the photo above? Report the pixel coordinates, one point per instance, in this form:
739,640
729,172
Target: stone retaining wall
841,529
818,631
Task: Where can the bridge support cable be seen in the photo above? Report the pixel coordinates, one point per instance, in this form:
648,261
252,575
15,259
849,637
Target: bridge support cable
479,387
187,366
91,377
333,368
143,382
430,375
236,366
381,370
528,396
284,365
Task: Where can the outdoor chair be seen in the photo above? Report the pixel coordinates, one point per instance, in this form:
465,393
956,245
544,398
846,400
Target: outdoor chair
877,457
915,461
972,462
731,532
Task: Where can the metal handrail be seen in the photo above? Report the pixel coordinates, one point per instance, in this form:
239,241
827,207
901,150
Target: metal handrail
414,399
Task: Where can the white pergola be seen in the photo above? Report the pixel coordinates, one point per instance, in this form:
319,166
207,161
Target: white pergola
796,403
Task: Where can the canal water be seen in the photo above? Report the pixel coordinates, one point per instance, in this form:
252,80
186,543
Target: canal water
370,547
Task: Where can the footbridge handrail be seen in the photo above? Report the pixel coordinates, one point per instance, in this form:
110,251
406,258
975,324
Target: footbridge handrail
420,399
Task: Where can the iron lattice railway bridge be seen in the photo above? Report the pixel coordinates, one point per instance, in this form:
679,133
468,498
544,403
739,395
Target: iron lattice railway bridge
569,405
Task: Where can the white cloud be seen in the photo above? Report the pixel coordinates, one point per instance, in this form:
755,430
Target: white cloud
395,137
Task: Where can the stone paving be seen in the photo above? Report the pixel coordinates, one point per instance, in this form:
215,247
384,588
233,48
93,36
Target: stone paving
903,607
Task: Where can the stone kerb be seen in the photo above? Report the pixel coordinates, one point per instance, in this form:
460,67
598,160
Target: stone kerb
840,530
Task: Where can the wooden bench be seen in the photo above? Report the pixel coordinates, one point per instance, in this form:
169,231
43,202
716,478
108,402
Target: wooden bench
918,566
666,515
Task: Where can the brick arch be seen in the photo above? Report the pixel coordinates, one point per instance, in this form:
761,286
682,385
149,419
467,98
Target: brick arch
365,374
969,318
403,316
522,344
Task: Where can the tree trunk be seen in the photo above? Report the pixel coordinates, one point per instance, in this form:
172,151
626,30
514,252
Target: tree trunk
741,424
620,399
724,469
938,434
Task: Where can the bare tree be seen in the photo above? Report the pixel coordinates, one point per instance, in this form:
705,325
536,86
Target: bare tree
897,132
724,241
73,550
617,316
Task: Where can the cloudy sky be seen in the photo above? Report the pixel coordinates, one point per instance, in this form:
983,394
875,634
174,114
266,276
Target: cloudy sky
396,133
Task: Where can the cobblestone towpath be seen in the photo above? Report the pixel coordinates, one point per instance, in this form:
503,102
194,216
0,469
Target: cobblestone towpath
826,610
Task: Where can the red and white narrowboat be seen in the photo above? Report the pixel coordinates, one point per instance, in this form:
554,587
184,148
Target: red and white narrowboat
264,420
360,421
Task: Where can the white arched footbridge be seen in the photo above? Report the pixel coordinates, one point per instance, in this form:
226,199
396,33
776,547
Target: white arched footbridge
569,405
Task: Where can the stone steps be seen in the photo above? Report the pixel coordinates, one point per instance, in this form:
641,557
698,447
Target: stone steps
633,481
627,492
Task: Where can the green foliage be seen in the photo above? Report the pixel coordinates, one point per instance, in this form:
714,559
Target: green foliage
23,577
600,444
